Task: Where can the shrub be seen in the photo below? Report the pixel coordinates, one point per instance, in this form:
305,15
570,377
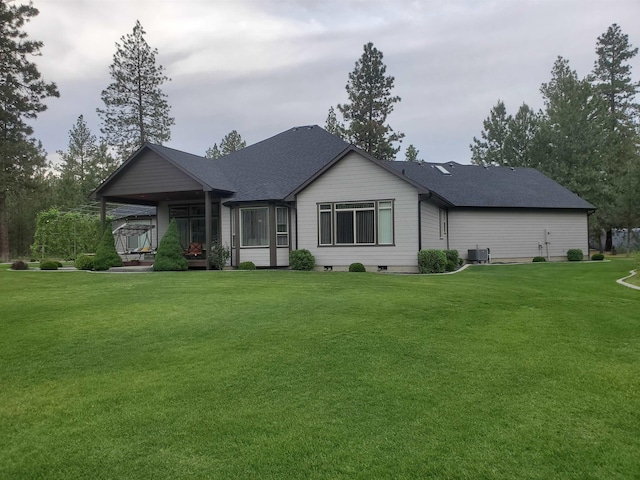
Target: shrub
219,256
106,255
247,266
539,259
453,260
357,267
301,260
169,256
432,261
19,265
575,255
84,262
597,256
48,265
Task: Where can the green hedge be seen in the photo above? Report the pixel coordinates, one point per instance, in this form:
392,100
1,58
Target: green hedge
247,266
84,262
357,267
432,261
48,265
597,256
453,260
575,255
539,259
301,260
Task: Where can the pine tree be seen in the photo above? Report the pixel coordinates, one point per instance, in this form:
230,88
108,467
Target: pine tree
491,149
411,154
231,142
573,133
333,126
370,103
106,254
520,142
22,92
136,109
612,74
79,168
169,256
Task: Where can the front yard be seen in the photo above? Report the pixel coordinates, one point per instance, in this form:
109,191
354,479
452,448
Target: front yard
523,371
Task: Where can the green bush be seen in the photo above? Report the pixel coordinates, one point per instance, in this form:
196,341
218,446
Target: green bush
84,262
19,265
301,260
597,256
106,255
539,259
219,256
48,265
575,255
247,266
432,261
169,256
453,260
357,267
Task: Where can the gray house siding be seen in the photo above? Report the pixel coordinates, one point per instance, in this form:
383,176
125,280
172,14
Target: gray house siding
356,179
150,173
518,234
432,235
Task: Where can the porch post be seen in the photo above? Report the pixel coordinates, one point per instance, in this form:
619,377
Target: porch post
207,225
273,237
103,213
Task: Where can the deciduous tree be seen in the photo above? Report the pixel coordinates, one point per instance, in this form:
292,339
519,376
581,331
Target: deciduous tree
136,109
22,95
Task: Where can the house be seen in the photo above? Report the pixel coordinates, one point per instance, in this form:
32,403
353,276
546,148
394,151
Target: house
307,189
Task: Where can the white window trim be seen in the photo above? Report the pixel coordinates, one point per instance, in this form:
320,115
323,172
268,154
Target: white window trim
285,233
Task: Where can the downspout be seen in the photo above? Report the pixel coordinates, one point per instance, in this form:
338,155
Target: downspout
448,226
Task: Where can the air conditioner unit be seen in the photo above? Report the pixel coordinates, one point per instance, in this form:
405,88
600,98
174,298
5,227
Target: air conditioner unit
478,255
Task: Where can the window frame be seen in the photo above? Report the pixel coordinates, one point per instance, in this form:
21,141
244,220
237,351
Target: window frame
285,233
241,227
332,209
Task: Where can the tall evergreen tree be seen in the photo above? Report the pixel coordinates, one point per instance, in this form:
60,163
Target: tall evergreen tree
231,142
520,143
136,109
333,125
22,94
411,154
492,148
612,74
79,169
573,135
370,103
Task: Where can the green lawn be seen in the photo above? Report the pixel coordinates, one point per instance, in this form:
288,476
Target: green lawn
523,371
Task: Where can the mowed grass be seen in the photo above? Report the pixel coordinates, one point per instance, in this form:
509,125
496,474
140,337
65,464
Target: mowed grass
523,371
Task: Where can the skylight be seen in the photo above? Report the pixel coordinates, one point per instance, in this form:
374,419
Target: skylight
443,170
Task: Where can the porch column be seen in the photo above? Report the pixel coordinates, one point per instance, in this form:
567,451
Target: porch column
273,237
207,225
103,213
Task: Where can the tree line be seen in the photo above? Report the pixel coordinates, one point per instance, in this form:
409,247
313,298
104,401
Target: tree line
586,137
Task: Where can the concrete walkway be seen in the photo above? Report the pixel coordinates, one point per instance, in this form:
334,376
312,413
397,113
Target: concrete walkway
622,281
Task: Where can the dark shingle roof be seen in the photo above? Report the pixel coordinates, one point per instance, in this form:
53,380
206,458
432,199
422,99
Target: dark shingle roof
273,168
477,186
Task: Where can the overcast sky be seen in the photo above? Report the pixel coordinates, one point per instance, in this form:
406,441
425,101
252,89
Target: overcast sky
261,67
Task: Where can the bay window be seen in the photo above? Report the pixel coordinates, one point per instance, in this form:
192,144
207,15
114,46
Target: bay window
254,227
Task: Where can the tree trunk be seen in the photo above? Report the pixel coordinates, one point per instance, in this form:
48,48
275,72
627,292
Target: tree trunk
4,229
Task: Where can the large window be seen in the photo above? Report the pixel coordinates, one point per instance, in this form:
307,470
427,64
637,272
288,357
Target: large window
357,223
190,220
282,226
254,227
